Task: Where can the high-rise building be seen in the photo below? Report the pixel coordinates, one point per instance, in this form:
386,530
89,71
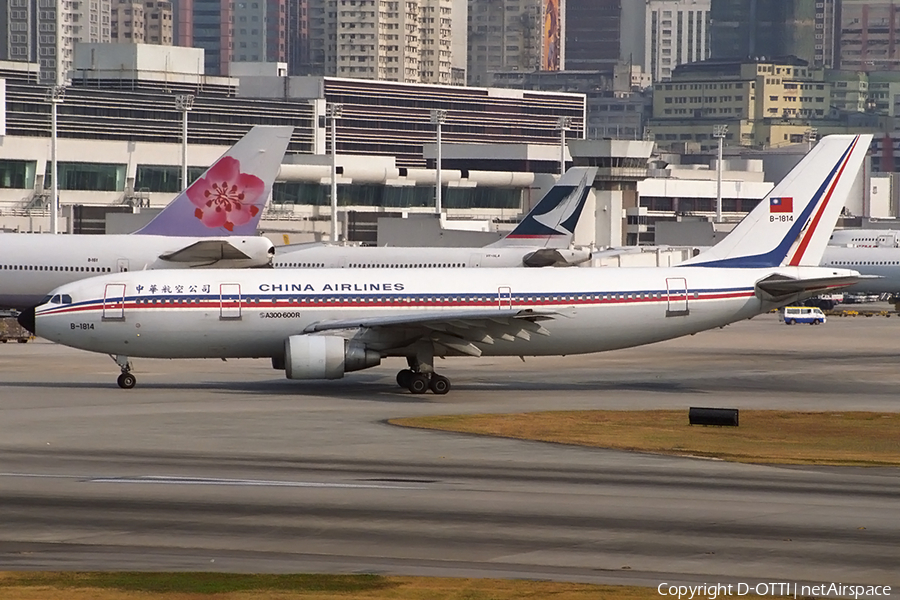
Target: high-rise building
245,31
675,32
128,22
142,22
593,33
93,20
870,35
259,31
183,23
159,22
45,32
766,28
514,35
393,40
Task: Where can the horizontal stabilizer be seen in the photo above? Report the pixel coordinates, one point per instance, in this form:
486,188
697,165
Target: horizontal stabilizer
777,286
206,251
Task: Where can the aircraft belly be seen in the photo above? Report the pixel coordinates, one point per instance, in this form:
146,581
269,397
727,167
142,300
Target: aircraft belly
620,327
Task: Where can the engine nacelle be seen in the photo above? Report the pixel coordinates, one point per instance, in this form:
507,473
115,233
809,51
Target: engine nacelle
556,257
325,357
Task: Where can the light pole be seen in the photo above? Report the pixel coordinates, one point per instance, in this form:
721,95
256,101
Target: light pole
438,116
56,94
184,103
812,134
719,132
563,124
333,112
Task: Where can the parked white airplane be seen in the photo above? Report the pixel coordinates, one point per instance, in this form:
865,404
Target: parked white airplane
875,253
210,224
880,267
866,238
320,324
542,239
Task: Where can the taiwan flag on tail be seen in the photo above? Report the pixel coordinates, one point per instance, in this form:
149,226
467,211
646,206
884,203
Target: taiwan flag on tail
781,205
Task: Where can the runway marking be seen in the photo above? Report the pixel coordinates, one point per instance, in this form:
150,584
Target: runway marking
158,479
245,482
40,475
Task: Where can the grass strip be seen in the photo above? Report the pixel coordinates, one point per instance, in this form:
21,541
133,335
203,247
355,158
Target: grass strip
228,586
764,436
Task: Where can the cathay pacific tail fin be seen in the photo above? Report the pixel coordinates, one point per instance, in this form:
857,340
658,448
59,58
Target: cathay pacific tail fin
791,226
551,223
229,198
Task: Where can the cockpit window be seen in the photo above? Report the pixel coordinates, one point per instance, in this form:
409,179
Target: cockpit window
45,300
55,299
66,299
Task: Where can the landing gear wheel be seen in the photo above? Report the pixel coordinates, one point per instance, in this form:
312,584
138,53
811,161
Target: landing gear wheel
418,383
126,381
439,384
403,377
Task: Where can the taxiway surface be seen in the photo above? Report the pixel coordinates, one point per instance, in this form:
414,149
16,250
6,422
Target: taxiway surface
211,465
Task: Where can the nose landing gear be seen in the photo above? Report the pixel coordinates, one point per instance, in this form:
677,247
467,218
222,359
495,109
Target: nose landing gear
126,380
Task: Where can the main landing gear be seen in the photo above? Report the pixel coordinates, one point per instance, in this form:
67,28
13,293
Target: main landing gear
420,376
419,383
126,380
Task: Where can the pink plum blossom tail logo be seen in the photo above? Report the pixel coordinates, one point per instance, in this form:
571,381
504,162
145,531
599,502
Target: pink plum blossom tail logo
226,197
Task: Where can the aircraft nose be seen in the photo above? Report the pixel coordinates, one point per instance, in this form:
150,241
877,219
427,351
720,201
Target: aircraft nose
26,319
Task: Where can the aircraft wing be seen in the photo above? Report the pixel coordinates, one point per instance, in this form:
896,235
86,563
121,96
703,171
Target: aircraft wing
779,286
457,330
206,251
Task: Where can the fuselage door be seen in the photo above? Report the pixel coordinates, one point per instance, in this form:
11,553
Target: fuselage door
230,301
677,295
122,265
114,302
474,260
504,297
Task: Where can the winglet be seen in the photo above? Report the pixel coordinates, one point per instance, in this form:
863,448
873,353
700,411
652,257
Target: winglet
551,223
792,225
230,196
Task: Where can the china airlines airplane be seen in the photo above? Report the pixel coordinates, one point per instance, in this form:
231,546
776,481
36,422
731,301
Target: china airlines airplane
322,323
541,239
210,224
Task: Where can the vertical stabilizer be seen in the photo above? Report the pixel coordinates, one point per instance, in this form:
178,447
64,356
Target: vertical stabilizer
229,198
792,225
551,223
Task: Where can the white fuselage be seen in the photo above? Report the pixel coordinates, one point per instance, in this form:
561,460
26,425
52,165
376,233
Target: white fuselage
250,313
326,256
31,264
880,264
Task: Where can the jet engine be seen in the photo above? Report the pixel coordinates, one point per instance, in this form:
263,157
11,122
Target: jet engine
325,357
556,257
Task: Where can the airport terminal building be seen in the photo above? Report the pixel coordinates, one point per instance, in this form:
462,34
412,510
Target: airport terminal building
120,129
119,150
